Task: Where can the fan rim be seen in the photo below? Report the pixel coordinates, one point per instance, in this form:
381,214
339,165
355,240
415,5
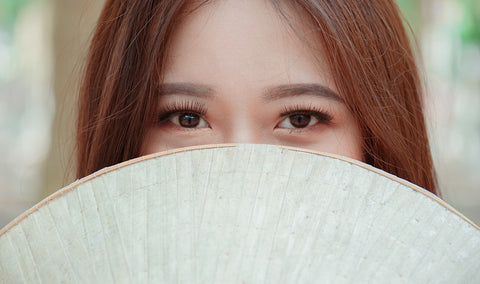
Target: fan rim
101,172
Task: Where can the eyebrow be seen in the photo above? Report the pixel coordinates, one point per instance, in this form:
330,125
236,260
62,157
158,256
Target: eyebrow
189,89
293,90
274,93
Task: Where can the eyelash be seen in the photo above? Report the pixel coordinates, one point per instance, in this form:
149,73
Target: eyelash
190,107
321,114
197,108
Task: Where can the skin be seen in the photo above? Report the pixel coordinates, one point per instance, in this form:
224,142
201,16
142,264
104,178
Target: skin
237,72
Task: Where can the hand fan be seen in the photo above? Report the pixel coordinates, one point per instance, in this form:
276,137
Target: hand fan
241,214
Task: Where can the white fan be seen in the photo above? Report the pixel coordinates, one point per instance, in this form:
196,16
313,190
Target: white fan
241,214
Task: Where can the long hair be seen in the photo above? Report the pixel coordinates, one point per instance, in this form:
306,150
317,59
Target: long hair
367,51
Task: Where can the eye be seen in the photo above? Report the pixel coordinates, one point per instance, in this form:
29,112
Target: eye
298,121
303,117
187,120
184,114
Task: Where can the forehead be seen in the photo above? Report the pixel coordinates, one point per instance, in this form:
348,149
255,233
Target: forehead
250,40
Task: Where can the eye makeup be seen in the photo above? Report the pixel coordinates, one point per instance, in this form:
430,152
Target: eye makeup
186,107
321,114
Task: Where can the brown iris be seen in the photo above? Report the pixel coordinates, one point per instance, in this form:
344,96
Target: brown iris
188,120
300,120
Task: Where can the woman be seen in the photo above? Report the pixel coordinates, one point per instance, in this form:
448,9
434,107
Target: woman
334,76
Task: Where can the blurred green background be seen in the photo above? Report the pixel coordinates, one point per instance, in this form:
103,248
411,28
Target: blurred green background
43,45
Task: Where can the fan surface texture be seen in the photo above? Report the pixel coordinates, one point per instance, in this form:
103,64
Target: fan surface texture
241,214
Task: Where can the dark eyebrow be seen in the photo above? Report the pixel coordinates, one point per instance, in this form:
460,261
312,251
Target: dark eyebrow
186,89
285,91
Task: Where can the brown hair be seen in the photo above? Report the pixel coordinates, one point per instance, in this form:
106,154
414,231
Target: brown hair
367,50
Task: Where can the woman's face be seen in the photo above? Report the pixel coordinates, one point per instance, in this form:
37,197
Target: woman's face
237,72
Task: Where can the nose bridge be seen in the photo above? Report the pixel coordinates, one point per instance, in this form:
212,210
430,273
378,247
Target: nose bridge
242,129
243,135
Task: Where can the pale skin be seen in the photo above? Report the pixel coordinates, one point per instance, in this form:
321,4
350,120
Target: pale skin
237,73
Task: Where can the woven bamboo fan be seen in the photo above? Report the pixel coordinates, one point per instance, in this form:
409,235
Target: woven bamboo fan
241,214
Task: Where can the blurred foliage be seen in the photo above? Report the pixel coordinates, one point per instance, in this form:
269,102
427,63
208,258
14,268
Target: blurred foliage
9,10
470,25
411,10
